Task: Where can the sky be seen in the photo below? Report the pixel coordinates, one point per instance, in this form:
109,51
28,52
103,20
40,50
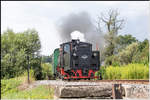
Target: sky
44,15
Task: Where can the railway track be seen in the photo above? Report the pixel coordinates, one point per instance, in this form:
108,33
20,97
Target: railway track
115,81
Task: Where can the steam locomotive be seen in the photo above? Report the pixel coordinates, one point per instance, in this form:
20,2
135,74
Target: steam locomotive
75,60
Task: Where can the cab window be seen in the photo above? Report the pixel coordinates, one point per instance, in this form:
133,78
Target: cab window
67,48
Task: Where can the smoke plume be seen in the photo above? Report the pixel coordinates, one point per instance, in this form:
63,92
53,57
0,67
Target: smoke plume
83,23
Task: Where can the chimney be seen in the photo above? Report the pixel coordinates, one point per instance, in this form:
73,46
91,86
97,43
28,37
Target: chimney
97,48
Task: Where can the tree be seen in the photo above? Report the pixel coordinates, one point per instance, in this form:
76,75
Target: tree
127,54
112,24
46,59
143,44
142,56
123,41
14,49
136,52
10,60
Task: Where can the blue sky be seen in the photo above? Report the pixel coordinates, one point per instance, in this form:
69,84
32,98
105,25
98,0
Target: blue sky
43,16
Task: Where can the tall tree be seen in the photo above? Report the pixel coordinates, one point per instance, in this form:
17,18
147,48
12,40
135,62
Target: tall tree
14,49
112,24
122,41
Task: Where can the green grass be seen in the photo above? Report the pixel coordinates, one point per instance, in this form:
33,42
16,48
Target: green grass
10,85
130,71
9,90
40,92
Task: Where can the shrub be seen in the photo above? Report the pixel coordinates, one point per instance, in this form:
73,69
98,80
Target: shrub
101,72
47,71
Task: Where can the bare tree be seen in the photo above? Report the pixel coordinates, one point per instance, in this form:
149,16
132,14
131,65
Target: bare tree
110,24
111,21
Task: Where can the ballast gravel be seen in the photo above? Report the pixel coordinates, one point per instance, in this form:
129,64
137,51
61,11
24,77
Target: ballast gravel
66,83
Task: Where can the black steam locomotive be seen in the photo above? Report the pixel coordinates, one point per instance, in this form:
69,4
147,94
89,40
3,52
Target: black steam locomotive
75,60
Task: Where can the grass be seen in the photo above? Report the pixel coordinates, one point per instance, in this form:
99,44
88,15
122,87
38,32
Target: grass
9,90
130,71
40,92
10,85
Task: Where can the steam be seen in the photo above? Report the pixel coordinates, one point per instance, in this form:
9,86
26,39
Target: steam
77,35
80,25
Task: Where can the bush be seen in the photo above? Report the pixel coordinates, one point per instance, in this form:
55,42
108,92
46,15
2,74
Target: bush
101,72
143,53
47,71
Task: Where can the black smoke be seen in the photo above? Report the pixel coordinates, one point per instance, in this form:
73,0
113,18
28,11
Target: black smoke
80,22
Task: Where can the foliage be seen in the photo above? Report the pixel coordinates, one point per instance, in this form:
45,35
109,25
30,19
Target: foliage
108,60
143,44
137,52
46,59
10,90
15,47
122,49
130,71
101,72
125,48
36,66
113,24
123,41
47,71
142,56
126,55
24,76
